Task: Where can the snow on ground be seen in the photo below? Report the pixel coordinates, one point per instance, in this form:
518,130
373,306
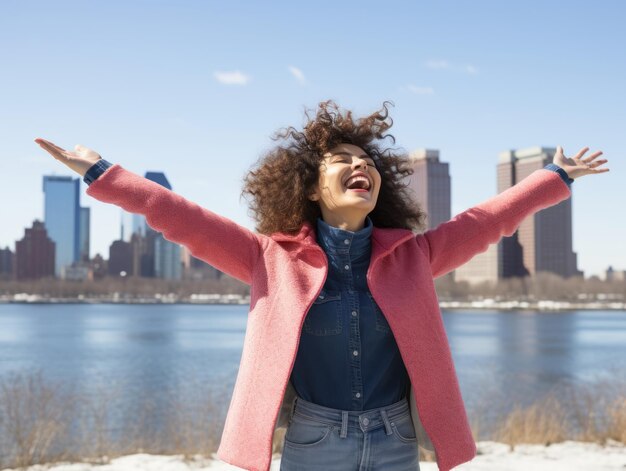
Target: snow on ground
565,456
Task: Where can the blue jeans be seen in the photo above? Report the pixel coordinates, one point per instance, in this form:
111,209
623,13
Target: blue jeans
324,439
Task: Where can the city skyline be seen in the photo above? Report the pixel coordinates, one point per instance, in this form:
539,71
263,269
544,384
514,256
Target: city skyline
196,90
543,242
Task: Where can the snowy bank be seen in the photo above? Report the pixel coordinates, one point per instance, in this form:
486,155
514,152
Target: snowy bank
492,456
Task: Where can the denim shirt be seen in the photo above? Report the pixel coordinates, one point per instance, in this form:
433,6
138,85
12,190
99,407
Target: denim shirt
348,358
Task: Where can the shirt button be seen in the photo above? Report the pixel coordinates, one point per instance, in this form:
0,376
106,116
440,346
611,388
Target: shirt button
353,313
358,394
347,267
366,421
346,241
355,353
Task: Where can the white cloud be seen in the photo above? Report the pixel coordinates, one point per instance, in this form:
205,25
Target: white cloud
420,90
232,78
297,73
438,64
470,69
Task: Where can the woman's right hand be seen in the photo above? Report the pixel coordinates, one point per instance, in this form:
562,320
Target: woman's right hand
79,161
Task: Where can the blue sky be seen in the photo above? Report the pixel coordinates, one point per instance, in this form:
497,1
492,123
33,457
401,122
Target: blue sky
196,89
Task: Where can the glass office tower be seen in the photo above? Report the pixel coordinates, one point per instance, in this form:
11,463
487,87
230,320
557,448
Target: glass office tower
62,218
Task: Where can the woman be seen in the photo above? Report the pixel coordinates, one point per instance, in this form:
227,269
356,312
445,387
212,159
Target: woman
344,331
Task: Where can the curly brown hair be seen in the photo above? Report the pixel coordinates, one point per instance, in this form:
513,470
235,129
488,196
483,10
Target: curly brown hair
281,180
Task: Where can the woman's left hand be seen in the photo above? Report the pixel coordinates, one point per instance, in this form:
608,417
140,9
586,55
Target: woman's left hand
577,166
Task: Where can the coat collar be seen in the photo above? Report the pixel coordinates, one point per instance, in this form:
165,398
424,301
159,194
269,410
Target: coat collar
384,240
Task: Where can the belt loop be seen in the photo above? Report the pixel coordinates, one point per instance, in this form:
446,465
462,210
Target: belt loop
293,408
383,414
344,424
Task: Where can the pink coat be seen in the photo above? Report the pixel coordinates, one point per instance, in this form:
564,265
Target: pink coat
286,274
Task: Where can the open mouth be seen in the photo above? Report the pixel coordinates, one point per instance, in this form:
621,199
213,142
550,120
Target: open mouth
358,183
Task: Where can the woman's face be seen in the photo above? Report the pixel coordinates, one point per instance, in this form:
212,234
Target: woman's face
348,187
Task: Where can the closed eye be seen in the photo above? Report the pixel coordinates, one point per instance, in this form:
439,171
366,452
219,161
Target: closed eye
370,162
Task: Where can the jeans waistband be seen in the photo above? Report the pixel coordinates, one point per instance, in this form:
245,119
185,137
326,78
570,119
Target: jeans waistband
364,420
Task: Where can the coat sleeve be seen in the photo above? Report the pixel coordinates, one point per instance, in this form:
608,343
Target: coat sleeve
453,243
210,237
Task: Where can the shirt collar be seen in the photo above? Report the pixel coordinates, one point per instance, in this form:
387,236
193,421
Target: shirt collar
358,242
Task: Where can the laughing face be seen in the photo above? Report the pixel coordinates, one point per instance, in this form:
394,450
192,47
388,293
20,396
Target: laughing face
348,187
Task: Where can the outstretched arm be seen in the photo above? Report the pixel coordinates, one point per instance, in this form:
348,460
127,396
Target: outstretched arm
215,239
453,243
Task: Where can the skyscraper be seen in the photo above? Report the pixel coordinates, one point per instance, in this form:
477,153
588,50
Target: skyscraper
7,263
543,241
66,222
84,233
431,184
34,254
167,259
120,259
62,218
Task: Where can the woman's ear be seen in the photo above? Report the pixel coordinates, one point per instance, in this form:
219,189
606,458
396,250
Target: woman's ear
313,197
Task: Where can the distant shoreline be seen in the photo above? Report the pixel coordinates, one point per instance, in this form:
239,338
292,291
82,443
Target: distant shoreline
228,300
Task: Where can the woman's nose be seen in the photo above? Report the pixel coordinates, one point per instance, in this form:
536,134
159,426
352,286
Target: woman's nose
361,164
